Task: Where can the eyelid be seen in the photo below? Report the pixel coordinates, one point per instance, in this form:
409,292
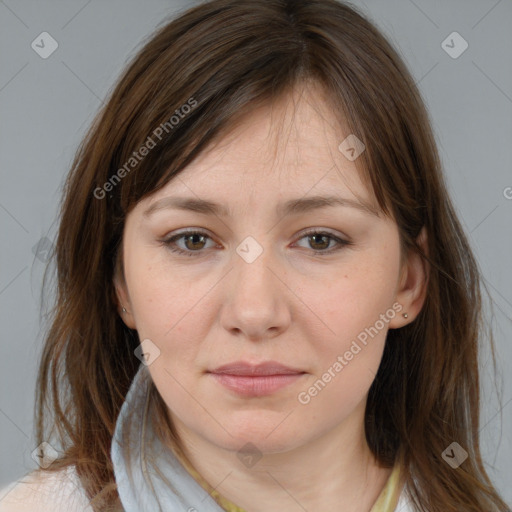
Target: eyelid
342,241
316,230
168,240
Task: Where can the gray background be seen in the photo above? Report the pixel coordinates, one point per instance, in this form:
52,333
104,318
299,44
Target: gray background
47,104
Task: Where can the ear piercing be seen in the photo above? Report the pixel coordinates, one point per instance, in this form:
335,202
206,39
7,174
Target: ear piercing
124,309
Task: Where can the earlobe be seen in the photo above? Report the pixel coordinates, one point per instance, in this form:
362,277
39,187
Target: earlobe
413,283
126,314
123,302
127,318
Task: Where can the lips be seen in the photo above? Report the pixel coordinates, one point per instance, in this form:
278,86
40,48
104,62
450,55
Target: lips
248,380
247,369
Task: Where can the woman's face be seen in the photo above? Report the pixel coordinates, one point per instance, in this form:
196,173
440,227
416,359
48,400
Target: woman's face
250,288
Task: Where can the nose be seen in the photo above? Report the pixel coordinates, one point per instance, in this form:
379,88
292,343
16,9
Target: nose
256,299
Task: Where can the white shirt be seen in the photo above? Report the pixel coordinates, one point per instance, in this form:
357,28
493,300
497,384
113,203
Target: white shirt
39,491
62,492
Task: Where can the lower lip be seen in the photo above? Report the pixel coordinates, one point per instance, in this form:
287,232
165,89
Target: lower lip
260,385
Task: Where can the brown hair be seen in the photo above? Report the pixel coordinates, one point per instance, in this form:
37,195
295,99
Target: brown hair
227,56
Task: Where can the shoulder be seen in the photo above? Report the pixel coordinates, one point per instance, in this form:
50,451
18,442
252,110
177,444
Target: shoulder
43,491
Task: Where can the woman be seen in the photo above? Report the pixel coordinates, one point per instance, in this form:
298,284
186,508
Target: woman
265,298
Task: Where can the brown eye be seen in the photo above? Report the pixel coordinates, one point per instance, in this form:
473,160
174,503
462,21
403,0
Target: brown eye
194,242
320,241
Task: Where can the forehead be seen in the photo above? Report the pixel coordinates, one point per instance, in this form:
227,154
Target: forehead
286,148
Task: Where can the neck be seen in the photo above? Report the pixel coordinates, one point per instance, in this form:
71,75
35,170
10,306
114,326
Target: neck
335,471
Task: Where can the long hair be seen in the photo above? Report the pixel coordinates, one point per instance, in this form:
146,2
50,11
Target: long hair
220,59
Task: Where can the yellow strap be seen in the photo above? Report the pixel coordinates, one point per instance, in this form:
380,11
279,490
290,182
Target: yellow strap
227,505
390,494
386,502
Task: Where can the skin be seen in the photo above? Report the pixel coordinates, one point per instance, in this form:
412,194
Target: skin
288,305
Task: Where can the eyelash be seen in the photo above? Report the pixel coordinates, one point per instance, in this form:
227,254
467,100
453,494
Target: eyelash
169,241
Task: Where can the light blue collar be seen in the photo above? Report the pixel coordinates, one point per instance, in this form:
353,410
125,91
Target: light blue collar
141,484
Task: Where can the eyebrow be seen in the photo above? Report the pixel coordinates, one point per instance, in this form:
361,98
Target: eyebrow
291,207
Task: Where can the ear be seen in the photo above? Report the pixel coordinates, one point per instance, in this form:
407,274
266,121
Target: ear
412,286
123,298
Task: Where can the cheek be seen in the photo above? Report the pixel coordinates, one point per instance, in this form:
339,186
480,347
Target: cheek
357,309
353,300
172,312
160,295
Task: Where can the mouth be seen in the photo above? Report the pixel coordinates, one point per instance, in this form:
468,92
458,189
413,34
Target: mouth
251,380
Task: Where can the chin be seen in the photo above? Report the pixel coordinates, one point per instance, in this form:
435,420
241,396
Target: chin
268,433
259,444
